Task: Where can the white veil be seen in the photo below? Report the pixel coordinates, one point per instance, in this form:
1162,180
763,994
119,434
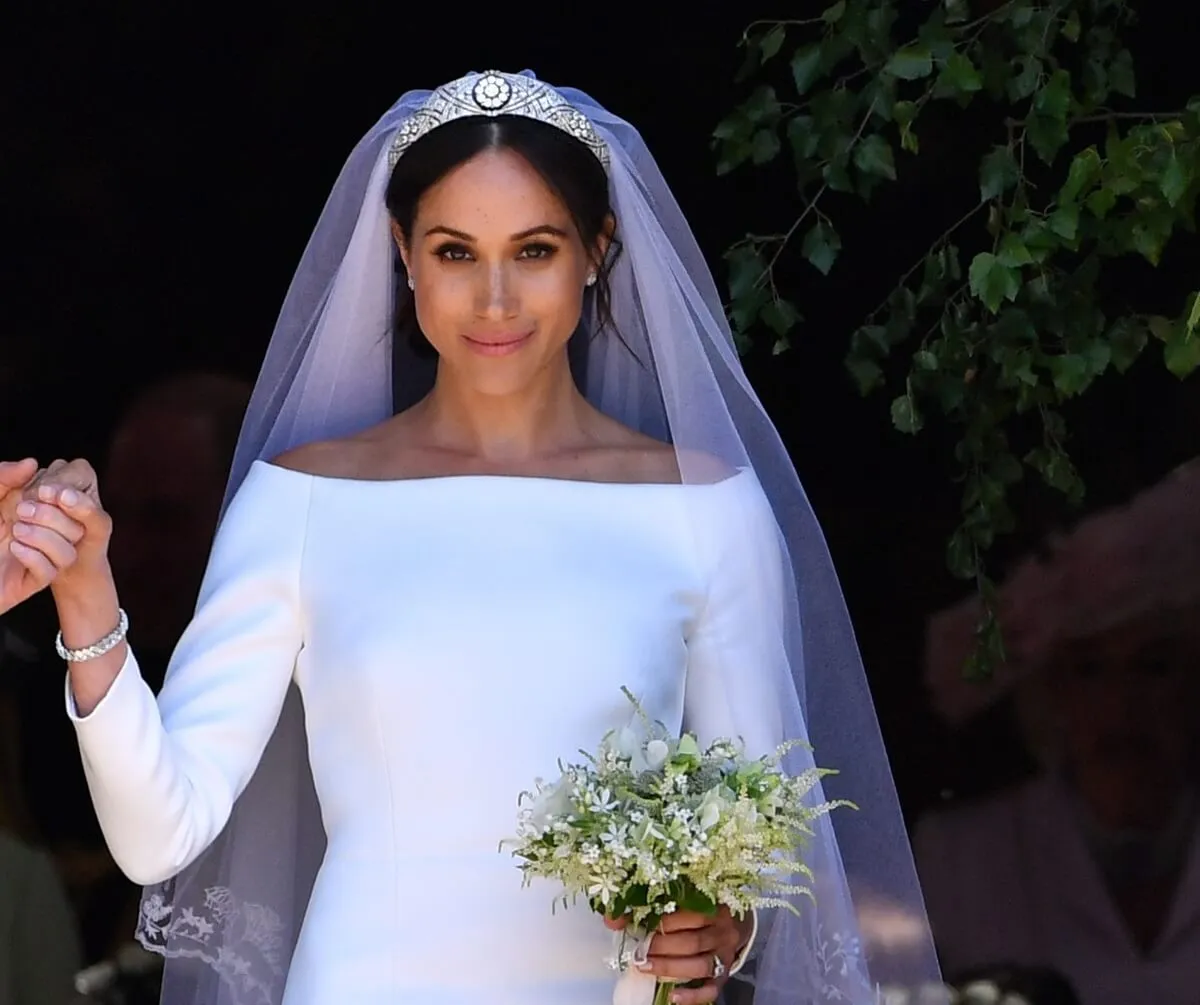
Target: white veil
332,369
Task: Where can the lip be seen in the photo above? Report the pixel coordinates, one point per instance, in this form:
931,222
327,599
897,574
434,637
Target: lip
498,345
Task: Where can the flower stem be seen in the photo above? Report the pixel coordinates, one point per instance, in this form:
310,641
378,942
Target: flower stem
662,993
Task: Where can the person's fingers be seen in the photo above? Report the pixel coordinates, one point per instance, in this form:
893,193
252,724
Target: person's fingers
616,924
680,968
40,569
60,474
52,518
55,547
679,920
80,507
696,996
687,942
16,474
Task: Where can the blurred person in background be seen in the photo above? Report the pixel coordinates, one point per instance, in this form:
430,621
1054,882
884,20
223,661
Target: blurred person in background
39,943
1092,867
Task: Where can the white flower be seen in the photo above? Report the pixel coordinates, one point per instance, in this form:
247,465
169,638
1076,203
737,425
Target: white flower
551,802
710,809
657,753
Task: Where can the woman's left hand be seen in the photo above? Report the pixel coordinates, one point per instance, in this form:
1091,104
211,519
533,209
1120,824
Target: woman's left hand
685,947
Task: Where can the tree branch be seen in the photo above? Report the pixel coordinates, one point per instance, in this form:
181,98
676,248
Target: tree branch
946,235
811,206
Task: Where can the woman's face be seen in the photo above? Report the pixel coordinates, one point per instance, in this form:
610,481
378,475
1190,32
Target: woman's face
499,270
1126,706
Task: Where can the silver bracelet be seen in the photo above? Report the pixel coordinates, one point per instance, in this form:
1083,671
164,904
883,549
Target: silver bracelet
105,645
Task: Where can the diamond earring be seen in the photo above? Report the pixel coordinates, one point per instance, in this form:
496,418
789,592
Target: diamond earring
411,285
591,279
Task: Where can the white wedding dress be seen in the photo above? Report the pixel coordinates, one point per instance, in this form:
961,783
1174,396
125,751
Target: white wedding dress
452,638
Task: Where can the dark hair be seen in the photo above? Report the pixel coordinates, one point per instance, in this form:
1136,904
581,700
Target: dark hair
566,164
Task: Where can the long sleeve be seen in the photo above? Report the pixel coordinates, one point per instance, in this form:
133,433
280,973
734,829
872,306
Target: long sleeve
736,653
164,776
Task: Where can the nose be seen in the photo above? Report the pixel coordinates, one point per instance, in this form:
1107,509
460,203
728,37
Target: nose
496,297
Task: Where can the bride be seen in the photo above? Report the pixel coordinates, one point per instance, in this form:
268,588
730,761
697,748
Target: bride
500,462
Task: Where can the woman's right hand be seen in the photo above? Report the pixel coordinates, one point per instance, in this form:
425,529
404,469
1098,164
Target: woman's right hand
84,593
72,490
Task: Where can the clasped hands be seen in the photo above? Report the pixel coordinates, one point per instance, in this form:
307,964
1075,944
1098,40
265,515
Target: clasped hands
53,529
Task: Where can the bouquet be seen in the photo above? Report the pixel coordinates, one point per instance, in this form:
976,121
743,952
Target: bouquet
651,824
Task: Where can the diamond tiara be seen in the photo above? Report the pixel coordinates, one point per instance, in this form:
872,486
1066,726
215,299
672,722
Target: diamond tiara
496,93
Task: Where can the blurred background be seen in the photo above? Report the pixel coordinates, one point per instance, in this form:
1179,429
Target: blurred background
161,168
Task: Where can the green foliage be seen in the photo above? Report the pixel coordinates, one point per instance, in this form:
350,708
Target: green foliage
1005,314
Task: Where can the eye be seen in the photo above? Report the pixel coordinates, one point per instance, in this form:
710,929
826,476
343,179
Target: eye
538,251
452,252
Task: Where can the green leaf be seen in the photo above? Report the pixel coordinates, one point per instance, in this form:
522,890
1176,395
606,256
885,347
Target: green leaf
1064,221
1056,470
746,268
804,139
925,360
832,15
1126,338
1047,135
1182,352
998,172
871,341
1054,99
1192,323
905,416
960,556
1085,171
1098,355
1120,75
1070,28
911,63
837,176
1012,251
1026,81
772,42
806,67
688,898
821,246
1175,181
1072,374
780,316
873,156
867,374
762,105
903,113
1101,202
992,281
764,146
959,77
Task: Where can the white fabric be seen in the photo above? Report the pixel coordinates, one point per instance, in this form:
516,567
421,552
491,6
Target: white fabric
451,638
666,367
1010,880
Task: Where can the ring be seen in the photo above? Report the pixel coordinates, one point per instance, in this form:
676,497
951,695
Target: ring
719,968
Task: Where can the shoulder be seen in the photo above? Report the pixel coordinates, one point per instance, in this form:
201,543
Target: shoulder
325,459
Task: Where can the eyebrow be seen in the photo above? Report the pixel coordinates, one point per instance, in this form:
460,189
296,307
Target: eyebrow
545,229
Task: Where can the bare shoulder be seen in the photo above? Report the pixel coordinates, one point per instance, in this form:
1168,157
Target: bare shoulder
327,458
646,459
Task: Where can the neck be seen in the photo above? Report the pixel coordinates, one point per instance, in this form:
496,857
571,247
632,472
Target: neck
505,429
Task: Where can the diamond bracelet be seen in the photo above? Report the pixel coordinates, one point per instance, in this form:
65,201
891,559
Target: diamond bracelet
105,645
